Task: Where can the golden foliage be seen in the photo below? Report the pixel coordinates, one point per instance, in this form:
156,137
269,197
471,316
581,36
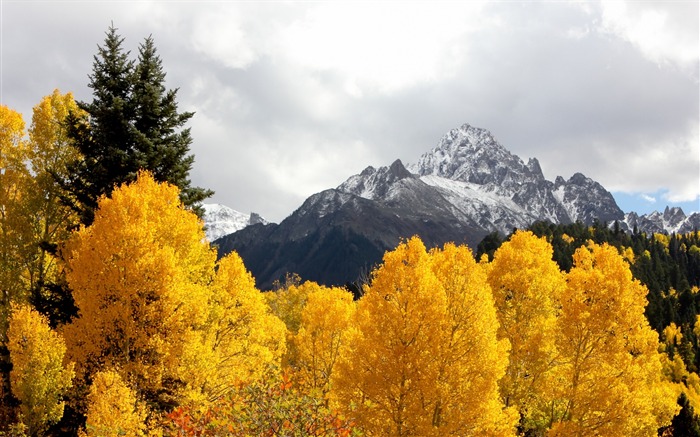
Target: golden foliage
673,335
155,306
38,377
527,286
404,369
140,276
611,377
242,338
112,408
325,320
32,216
287,304
14,227
473,358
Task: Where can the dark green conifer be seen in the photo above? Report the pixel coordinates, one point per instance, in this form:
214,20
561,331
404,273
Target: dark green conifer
133,124
161,144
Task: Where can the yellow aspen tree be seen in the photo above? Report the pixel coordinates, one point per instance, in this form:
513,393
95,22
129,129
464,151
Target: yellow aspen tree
393,375
15,229
611,381
527,285
243,338
140,278
287,304
473,359
38,378
325,320
51,220
113,409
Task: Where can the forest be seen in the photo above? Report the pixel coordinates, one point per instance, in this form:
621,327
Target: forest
117,318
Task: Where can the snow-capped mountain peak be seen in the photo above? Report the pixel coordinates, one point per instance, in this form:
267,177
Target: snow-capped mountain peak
221,220
466,187
472,154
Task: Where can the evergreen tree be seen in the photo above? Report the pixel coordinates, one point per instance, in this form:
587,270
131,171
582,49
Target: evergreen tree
103,137
132,124
162,146
686,422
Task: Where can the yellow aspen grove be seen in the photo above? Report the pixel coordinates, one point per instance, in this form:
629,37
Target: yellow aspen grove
395,373
611,380
112,408
527,285
325,320
140,278
38,377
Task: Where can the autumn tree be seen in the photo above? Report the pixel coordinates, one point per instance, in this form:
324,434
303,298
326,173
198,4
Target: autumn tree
472,358
38,378
407,368
113,409
140,278
50,219
527,285
325,320
241,339
14,230
287,303
132,124
611,381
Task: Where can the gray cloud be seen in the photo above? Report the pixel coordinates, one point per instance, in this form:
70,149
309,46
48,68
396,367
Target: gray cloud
293,98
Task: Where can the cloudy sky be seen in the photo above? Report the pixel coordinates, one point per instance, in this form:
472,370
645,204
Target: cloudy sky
293,98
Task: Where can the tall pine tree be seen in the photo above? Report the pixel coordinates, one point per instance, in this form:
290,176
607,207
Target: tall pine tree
162,145
132,124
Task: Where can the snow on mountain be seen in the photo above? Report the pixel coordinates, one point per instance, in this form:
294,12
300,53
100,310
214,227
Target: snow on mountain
220,220
670,221
496,188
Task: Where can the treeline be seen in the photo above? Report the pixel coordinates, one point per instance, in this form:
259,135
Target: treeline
668,265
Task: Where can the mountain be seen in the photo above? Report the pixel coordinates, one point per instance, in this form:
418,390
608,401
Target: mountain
336,237
221,220
671,220
466,187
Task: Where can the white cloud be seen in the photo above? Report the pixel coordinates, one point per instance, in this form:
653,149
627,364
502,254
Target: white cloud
382,46
221,37
647,198
664,32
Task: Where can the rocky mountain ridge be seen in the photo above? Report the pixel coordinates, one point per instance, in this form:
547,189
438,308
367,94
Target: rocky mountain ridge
488,186
466,187
673,219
